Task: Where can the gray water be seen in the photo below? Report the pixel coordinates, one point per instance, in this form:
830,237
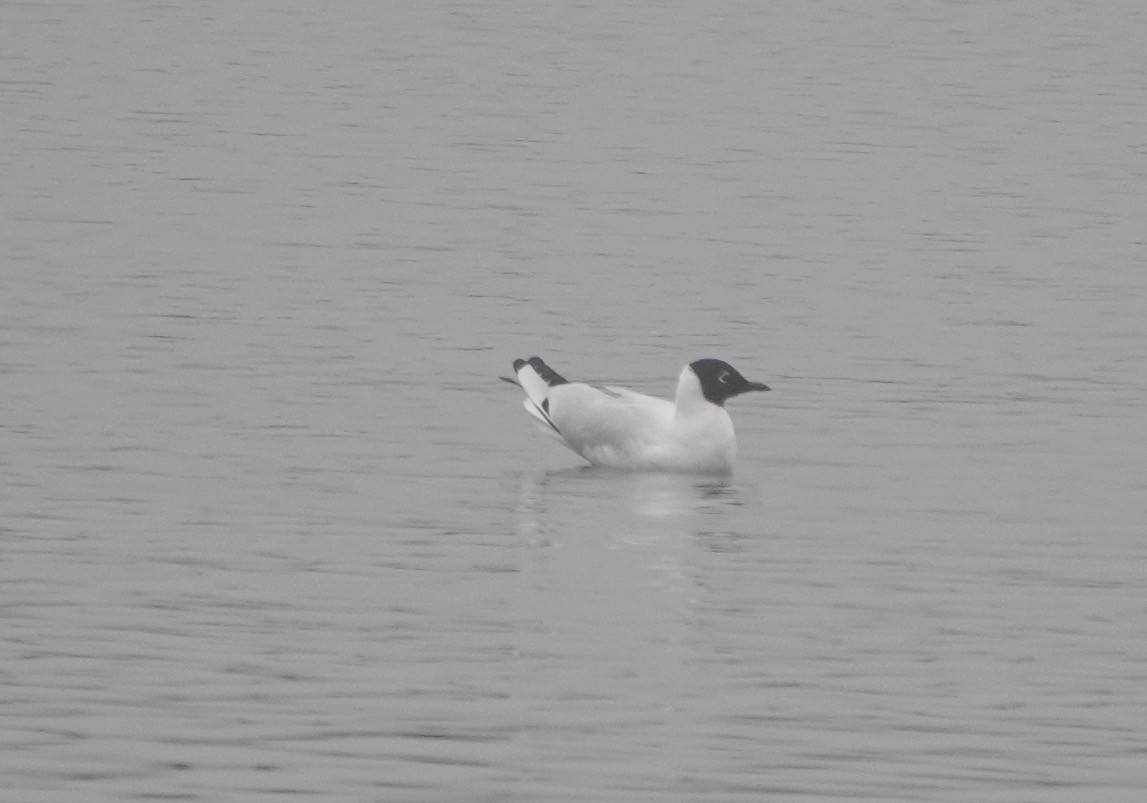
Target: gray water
272,527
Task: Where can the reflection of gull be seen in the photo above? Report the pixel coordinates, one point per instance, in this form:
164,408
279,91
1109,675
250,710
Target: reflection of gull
626,500
591,516
619,428
607,599
603,601
607,594
666,496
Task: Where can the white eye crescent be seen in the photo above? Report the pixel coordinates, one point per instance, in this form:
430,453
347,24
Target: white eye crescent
723,378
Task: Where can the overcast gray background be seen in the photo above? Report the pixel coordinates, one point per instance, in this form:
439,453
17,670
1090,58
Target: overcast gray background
271,525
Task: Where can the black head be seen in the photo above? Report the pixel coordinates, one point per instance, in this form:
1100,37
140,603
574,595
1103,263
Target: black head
720,381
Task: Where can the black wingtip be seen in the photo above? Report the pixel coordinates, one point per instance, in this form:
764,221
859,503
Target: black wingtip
548,375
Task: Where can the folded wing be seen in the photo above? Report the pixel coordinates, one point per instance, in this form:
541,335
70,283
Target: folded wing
603,425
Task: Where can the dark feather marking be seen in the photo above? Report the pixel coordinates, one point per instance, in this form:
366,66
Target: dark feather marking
548,375
545,410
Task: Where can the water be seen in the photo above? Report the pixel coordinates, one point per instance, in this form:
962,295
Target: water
272,527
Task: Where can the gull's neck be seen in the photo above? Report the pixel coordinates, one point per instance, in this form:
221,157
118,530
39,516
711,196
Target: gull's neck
690,400
702,430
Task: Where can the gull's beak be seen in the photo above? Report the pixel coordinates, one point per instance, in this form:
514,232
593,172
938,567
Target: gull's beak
756,386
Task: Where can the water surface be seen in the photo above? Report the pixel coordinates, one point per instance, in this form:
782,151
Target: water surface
272,526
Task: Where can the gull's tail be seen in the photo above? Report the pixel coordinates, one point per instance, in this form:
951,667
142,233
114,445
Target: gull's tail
536,378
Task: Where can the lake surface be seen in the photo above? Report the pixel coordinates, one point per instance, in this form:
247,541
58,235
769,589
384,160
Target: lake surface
272,527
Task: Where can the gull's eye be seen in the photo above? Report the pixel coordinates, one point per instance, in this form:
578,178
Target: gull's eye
723,378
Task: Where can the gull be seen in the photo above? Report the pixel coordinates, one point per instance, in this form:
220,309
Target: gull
619,428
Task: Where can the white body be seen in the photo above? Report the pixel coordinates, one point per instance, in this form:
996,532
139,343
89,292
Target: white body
619,428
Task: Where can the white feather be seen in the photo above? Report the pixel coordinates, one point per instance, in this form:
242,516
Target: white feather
532,382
